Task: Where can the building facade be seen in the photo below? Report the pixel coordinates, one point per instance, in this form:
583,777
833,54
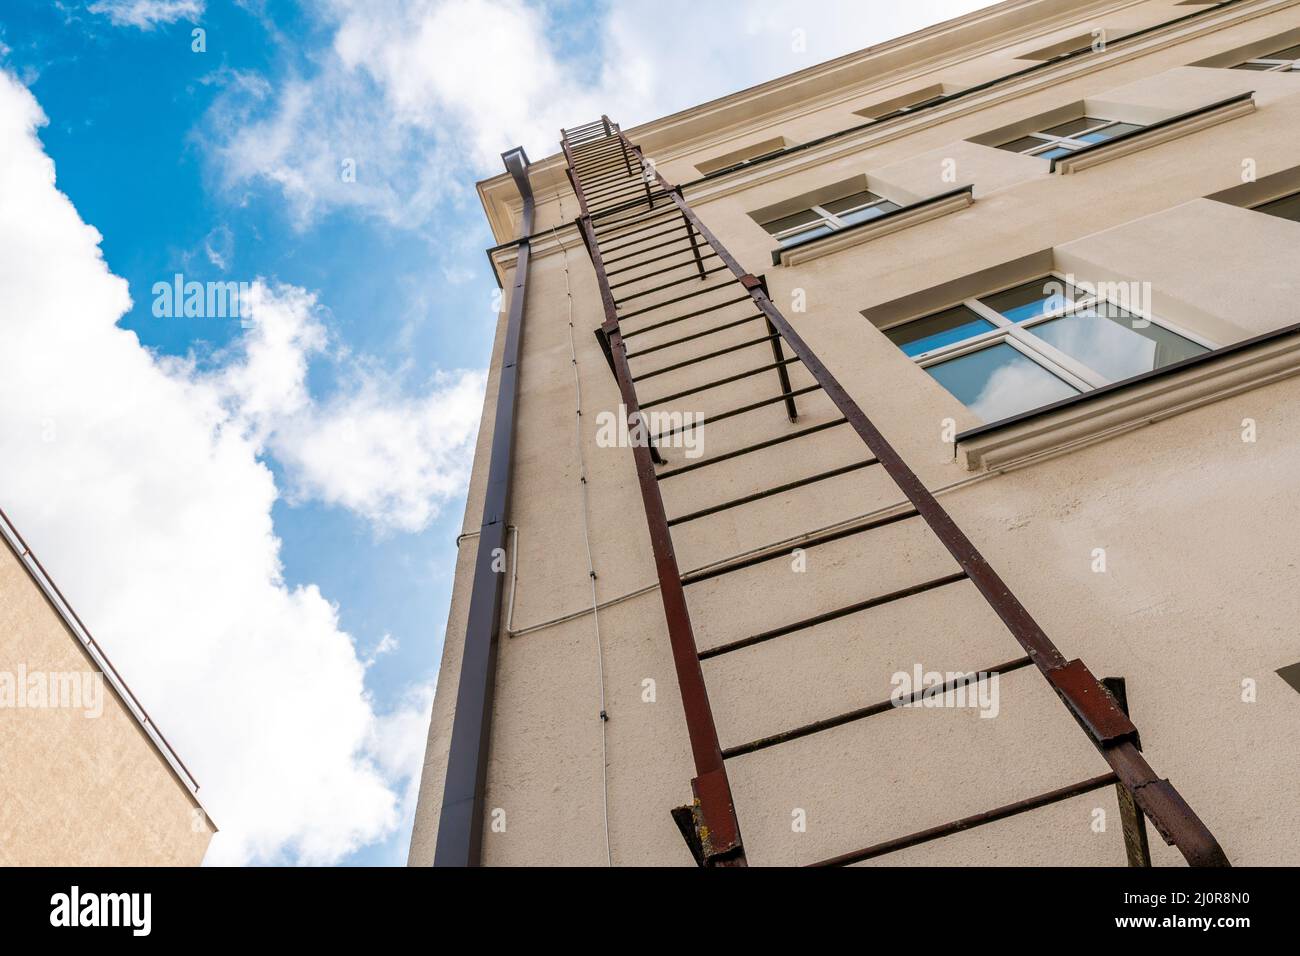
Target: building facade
1048,254
86,779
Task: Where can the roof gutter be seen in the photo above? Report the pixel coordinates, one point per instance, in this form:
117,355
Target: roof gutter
460,824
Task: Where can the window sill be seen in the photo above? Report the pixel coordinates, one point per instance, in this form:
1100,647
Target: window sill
901,218
1096,415
1155,134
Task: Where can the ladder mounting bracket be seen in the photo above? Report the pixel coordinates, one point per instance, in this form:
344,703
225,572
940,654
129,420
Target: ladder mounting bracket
1092,705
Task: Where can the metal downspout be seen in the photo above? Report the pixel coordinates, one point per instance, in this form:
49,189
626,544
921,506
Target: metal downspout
460,824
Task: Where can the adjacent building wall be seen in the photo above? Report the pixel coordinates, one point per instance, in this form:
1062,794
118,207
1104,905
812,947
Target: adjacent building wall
81,783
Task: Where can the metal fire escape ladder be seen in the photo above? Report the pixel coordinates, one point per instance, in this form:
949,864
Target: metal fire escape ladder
632,218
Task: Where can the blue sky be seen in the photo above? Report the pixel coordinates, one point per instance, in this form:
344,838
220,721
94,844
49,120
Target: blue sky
377,313
126,134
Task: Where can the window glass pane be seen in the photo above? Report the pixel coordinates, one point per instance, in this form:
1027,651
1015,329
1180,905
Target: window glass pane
802,234
1110,132
1075,126
1055,152
1116,343
871,212
1022,144
998,382
1254,66
849,202
802,218
944,328
1288,207
1032,299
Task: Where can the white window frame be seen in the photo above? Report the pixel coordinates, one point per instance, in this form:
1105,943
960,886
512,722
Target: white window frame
1274,64
1019,335
1071,143
828,218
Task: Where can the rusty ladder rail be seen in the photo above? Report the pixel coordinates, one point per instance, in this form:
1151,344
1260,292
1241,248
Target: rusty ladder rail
622,196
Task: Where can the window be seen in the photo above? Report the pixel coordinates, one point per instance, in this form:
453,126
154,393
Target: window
1279,62
1084,41
822,220
1066,138
746,154
926,96
1037,343
1288,207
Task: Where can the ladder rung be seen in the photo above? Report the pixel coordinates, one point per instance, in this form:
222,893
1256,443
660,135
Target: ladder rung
722,416
633,206
694,262
689,315
596,146
640,218
615,189
668,285
624,245
603,139
718,383
694,335
634,211
968,823
708,573
613,173
609,174
680,298
604,165
648,222
704,358
616,172
610,200
839,612
667,255
748,449
659,245
779,489
883,707
607,167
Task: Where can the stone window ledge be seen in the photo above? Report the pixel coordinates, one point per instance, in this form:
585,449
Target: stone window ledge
1155,134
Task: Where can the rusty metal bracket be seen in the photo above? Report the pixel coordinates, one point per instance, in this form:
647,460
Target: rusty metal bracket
685,818
1093,707
1136,847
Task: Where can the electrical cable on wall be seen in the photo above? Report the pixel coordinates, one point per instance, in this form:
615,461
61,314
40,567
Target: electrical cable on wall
586,536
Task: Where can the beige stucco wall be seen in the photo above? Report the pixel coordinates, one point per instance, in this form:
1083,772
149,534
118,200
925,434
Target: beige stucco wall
81,785
1199,526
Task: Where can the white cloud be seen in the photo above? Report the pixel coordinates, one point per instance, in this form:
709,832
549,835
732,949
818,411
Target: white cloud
399,738
391,457
424,94
147,14
387,456
219,246
138,481
387,644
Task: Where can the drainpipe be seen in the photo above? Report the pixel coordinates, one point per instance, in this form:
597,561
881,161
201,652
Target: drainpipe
460,824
